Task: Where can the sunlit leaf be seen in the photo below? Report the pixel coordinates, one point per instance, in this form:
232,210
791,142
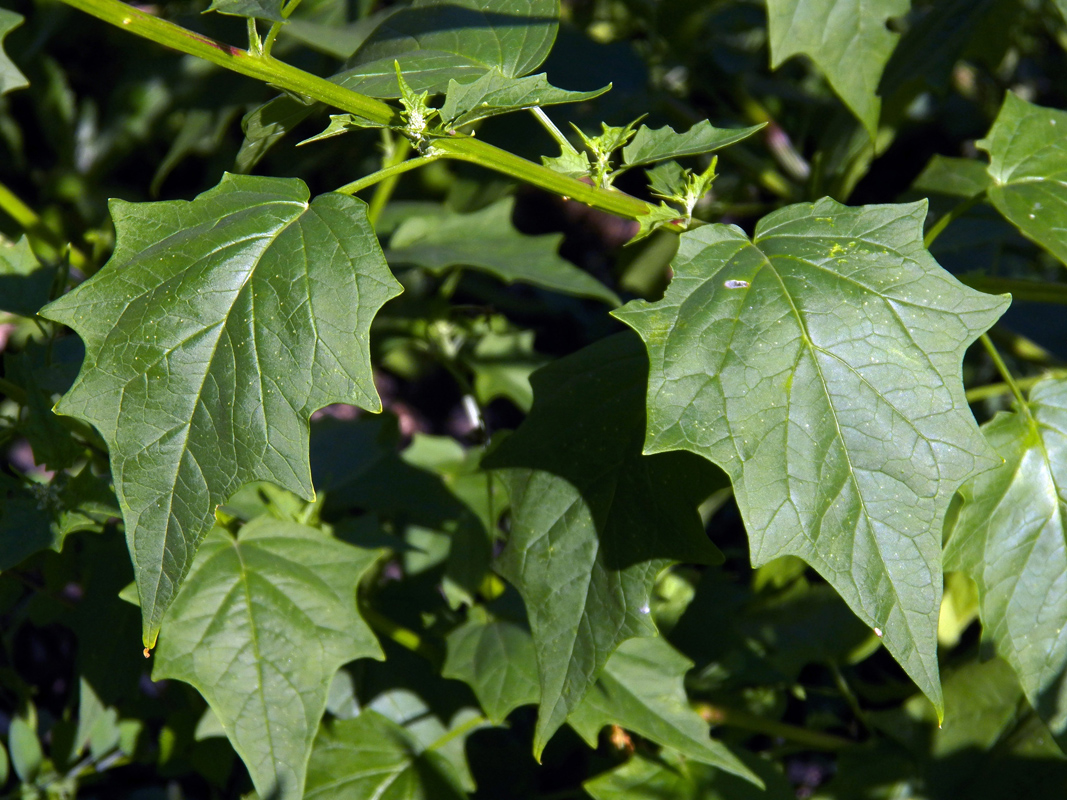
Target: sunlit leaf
10,77
214,332
650,145
260,9
260,627
819,365
495,93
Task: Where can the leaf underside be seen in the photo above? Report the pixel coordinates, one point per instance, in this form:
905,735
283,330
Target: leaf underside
650,145
819,365
593,521
1011,538
10,76
213,333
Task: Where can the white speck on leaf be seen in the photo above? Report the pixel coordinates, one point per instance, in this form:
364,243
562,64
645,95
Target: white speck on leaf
736,284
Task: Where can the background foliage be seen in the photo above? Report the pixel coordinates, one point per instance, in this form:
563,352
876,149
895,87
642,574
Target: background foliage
418,481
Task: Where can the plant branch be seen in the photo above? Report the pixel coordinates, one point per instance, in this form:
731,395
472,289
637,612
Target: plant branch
717,715
951,216
990,390
553,131
1005,373
284,76
388,173
39,233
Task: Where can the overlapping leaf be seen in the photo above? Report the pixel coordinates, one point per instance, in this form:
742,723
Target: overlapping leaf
641,690
650,145
260,9
259,628
1027,148
495,93
436,41
215,330
24,281
819,365
10,77
593,520
848,41
487,241
1011,538
372,756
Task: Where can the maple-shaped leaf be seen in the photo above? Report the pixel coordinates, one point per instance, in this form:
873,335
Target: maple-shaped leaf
260,627
1027,148
593,520
819,365
847,39
1011,538
212,334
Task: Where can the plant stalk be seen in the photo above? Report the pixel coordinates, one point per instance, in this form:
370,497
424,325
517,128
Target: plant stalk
1005,373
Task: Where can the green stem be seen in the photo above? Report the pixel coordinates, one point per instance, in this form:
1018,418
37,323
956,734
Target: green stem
405,637
289,78
388,174
553,131
979,393
50,245
948,218
384,190
717,715
1005,373
459,730
276,27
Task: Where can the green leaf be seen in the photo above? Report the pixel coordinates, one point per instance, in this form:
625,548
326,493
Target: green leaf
641,690
955,177
26,753
569,162
259,628
265,126
651,145
495,93
819,365
847,39
488,242
437,41
502,361
10,77
593,521
212,334
1011,538
372,756
1027,150
496,658
24,282
260,9
98,724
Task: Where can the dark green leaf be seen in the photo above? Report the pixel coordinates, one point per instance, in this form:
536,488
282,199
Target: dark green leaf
213,333
488,242
260,9
372,756
819,365
24,282
497,660
1027,150
266,125
641,690
260,627
593,521
651,145
495,93
502,361
956,177
436,41
847,39
10,77
1011,538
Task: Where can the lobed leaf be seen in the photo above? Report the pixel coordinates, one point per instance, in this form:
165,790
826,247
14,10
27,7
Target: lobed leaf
641,689
10,76
650,145
819,365
487,241
593,521
495,93
847,39
260,627
1011,538
1027,149
212,334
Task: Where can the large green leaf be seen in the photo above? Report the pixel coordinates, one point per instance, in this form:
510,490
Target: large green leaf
260,9
641,690
593,521
1011,538
372,756
1027,150
487,241
260,627
819,365
436,41
214,332
495,93
10,77
651,145
847,39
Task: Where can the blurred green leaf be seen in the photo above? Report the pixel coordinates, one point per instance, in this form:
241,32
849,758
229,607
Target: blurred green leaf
214,331
10,77
956,177
24,282
25,747
260,627
1027,150
819,365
